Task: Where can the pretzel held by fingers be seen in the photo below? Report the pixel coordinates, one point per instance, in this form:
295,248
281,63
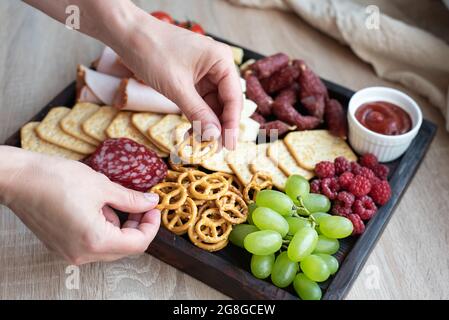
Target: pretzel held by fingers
172,195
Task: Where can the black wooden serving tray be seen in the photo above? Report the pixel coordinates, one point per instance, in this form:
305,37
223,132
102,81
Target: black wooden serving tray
228,269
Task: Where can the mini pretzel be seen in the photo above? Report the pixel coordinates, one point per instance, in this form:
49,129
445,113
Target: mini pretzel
179,220
259,181
232,180
209,187
235,190
207,204
187,177
177,165
193,150
193,236
172,195
211,227
232,207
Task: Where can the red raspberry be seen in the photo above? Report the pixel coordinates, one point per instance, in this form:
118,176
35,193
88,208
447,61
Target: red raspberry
325,169
345,199
341,165
357,223
339,210
368,160
381,192
355,167
374,180
345,180
360,186
364,207
315,186
381,171
330,187
367,173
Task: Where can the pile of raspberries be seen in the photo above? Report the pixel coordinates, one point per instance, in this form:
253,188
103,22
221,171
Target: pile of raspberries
356,189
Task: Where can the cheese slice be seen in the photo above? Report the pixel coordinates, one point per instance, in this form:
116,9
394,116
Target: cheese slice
249,129
249,107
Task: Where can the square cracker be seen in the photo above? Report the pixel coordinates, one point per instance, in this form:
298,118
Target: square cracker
163,132
264,164
217,162
143,121
50,131
239,160
30,141
72,123
122,127
97,124
313,146
279,154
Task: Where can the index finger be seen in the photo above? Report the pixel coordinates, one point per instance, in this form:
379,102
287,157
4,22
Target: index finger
230,94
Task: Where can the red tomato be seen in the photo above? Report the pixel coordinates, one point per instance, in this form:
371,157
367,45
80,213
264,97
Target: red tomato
192,26
163,16
195,27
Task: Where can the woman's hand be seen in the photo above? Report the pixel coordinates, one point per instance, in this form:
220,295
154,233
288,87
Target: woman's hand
69,207
194,71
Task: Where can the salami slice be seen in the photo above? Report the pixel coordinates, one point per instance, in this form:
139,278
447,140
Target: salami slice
128,163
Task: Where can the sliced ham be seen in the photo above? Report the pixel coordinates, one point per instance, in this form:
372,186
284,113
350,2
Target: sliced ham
110,63
103,86
135,96
86,95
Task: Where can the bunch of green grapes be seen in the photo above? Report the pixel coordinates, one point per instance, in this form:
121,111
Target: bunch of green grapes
292,237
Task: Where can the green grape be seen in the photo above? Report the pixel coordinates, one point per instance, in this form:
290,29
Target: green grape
336,227
331,261
318,216
275,200
315,268
239,232
326,245
284,270
306,288
296,223
251,208
315,202
267,219
296,186
261,266
302,244
263,242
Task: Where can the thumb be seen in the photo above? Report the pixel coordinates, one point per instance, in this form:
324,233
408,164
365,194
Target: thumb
126,241
130,201
204,121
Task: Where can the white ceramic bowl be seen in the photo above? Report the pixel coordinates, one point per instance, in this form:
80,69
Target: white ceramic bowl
385,148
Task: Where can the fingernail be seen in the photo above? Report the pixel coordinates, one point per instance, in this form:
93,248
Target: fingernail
152,197
210,132
230,138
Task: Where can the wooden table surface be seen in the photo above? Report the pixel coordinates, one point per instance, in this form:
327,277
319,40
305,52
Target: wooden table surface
38,58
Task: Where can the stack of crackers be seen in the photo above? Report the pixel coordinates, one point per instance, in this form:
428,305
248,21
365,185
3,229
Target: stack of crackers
297,153
75,133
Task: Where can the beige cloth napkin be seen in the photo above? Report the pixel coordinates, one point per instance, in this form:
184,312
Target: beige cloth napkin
398,52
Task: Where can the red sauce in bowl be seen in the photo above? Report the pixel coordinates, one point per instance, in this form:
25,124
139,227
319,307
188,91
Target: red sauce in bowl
384,118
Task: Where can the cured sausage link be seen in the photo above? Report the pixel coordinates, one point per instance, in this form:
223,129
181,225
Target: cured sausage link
256,93
265,67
